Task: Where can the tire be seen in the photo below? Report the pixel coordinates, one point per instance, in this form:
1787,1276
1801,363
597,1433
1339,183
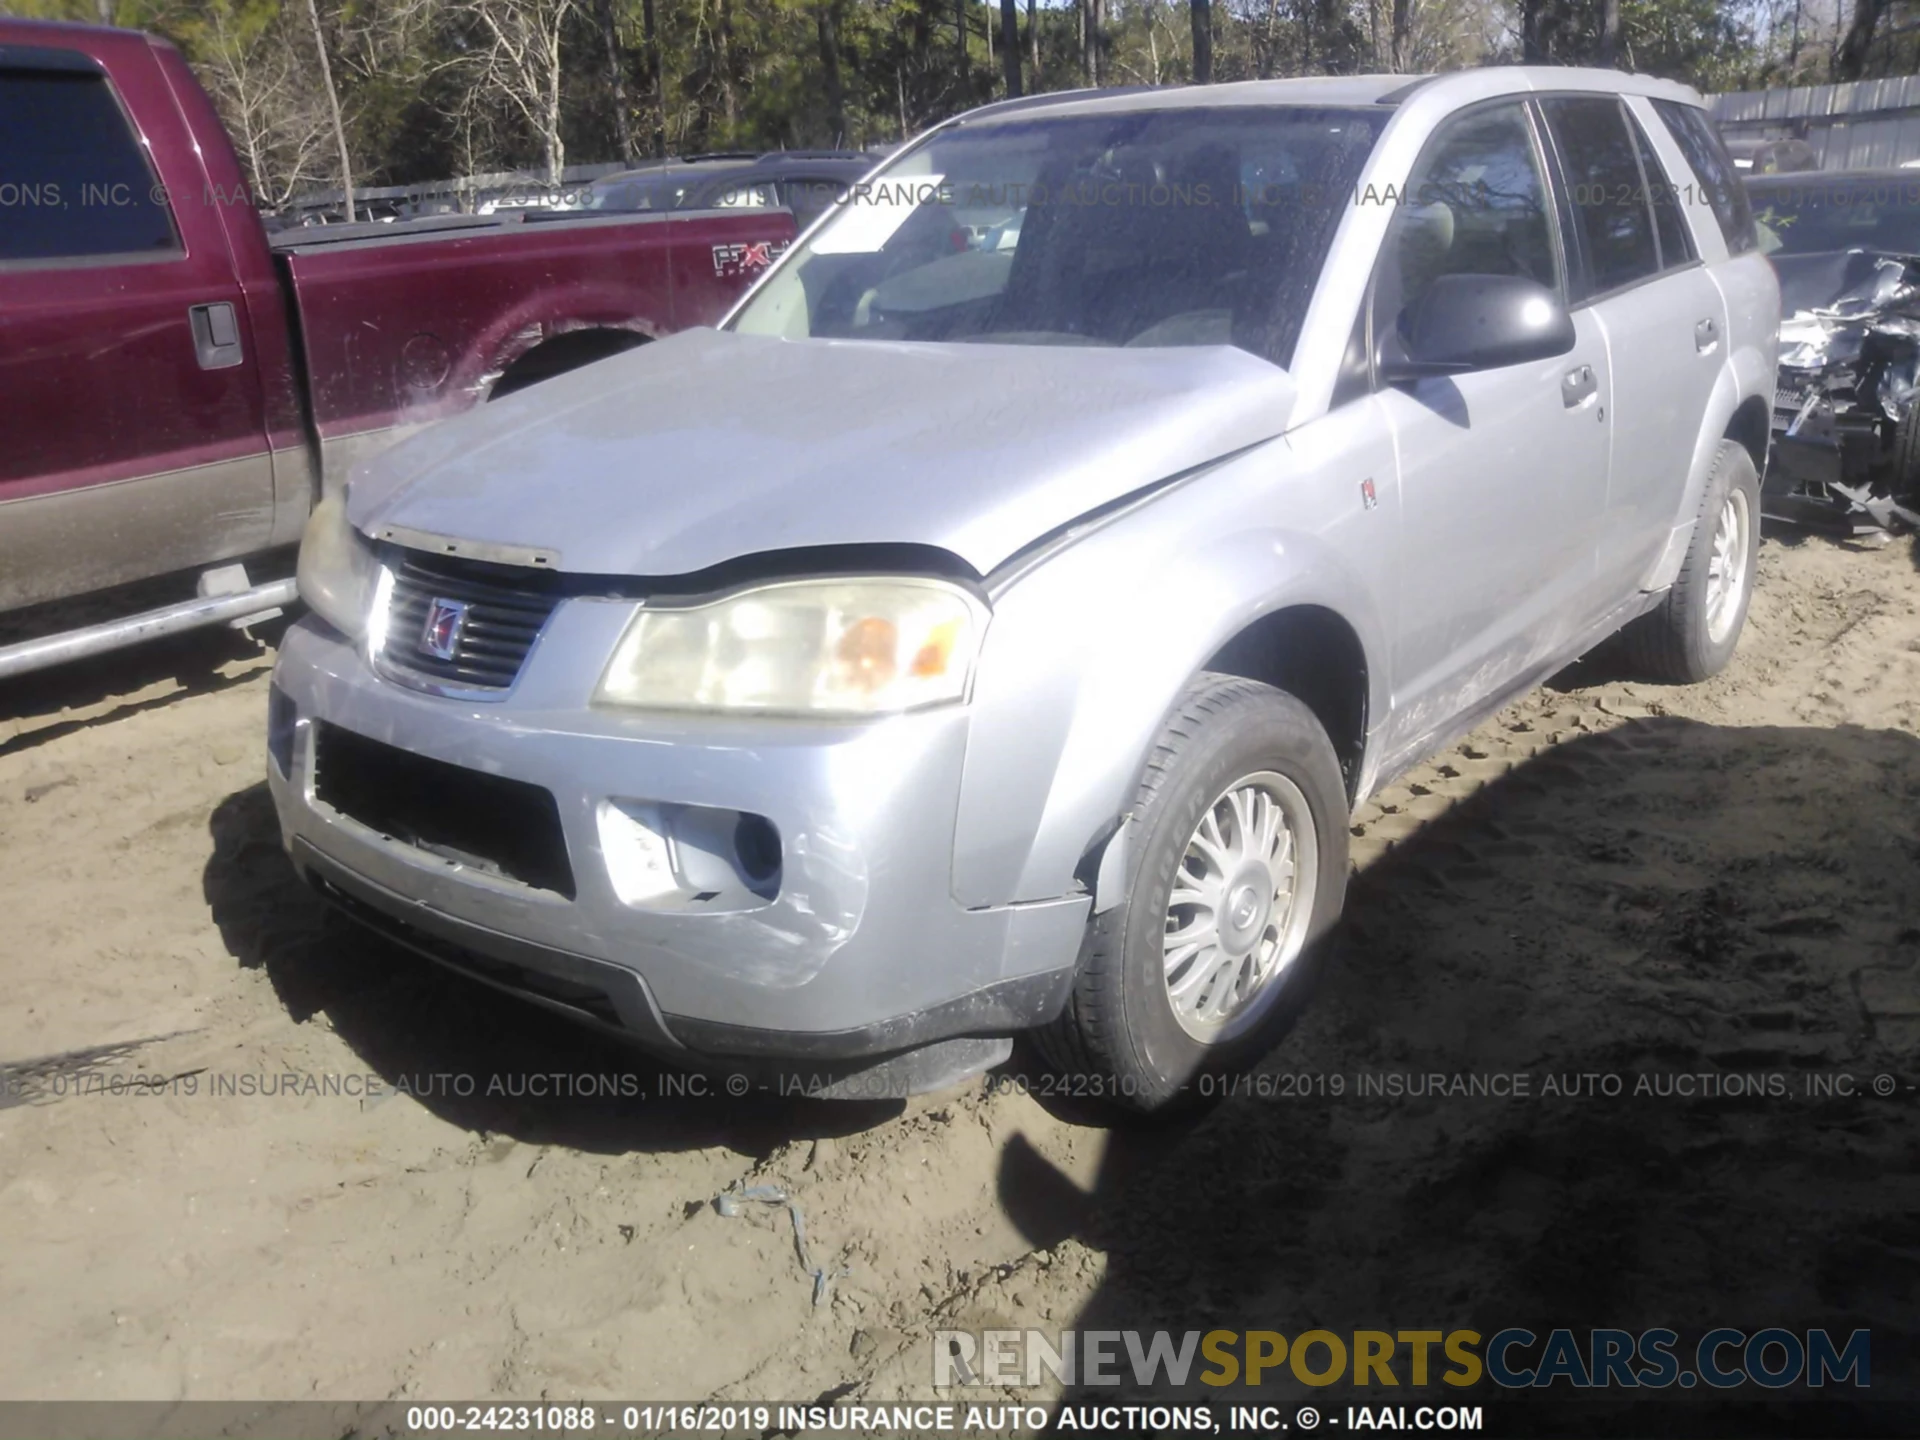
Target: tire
1122,1028
1903,478
1691,634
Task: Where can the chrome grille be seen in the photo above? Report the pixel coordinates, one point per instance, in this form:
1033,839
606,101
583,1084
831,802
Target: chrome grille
502,608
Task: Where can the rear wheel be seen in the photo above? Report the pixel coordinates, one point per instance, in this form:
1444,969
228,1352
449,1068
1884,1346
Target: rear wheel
1691,635
1237,866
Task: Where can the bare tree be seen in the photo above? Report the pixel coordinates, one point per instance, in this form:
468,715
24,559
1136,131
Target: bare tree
650,37
521,64
257,79
1415,36
827,19
616,78
333,105
1093,14
1850,60
1610,32
1202,11
1010,45
1148,59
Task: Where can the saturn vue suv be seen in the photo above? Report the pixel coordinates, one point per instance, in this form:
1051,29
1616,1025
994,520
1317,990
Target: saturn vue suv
989,627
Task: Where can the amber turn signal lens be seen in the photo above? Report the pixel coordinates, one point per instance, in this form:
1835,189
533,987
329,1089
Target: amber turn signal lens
935,655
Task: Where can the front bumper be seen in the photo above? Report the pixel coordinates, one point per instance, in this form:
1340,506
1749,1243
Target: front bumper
857,955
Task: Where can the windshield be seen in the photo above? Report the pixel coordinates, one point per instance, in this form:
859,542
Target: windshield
1815,214
1148,228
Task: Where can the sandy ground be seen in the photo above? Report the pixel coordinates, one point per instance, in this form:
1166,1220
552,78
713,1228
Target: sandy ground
1609,879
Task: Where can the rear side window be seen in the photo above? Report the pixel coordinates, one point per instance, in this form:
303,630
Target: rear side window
812,197
74,182
1713,168
1608,196
747,195
1669,225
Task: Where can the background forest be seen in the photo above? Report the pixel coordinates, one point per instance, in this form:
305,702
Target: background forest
427,89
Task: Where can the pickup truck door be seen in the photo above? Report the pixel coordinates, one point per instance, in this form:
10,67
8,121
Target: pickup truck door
132,437
1503,472
1664,319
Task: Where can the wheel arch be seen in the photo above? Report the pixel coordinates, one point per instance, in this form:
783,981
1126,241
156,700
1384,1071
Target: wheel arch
1315,655
561,351
1751,425
1738,410
1304,649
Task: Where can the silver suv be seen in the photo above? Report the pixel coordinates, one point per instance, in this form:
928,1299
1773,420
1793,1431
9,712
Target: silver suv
989,627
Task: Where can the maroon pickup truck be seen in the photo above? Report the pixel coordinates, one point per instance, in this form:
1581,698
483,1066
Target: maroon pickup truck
176,388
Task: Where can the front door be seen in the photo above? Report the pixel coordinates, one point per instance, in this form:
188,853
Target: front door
1503,473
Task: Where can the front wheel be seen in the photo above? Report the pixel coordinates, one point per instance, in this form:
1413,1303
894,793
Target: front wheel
1236,871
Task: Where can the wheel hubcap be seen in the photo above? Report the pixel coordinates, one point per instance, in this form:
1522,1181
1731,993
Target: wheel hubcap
1727,567
1242,896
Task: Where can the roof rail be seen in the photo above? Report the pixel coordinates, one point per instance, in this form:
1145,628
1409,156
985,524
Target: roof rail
1055,97
1418,83
812,155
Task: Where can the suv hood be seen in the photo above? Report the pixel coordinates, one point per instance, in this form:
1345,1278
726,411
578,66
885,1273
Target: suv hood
709,446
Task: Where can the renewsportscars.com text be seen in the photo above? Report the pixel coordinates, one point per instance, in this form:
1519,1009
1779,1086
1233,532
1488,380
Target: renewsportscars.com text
1512,1358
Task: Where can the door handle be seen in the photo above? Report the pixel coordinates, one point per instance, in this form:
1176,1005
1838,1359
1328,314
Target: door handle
216,335
1577,385
1706,335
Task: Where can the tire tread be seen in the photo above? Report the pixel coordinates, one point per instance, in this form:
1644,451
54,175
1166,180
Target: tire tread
1089,1034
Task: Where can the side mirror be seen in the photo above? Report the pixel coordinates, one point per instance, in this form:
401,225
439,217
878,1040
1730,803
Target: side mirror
1475,322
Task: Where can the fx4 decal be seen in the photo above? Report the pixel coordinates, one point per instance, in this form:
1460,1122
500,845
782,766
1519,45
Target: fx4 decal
736,260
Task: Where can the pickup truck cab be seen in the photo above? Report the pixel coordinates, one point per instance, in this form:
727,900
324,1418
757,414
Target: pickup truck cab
967,639
180,390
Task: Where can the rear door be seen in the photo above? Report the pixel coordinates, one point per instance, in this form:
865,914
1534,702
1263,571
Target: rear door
132,434
1503,473
1664,319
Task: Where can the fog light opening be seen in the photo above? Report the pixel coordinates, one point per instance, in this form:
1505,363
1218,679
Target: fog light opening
757,844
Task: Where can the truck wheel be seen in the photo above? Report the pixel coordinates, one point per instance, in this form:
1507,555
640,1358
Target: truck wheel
1692,633
1236,870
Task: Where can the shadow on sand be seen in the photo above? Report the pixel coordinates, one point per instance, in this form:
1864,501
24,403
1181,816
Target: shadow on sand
1667,900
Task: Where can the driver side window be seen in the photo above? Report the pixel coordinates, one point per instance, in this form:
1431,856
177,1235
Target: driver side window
1476,204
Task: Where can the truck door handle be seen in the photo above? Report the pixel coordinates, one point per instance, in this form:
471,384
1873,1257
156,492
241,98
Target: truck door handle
216,335
1578,384
1706,335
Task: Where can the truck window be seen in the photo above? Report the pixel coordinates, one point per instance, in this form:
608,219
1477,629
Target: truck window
1713,168
812,197
1476,204
73,180
1604,184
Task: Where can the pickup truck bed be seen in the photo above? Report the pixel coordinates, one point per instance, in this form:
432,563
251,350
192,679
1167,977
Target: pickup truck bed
404,325
179,389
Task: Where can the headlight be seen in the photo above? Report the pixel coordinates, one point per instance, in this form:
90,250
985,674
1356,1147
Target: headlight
815,647
337,571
